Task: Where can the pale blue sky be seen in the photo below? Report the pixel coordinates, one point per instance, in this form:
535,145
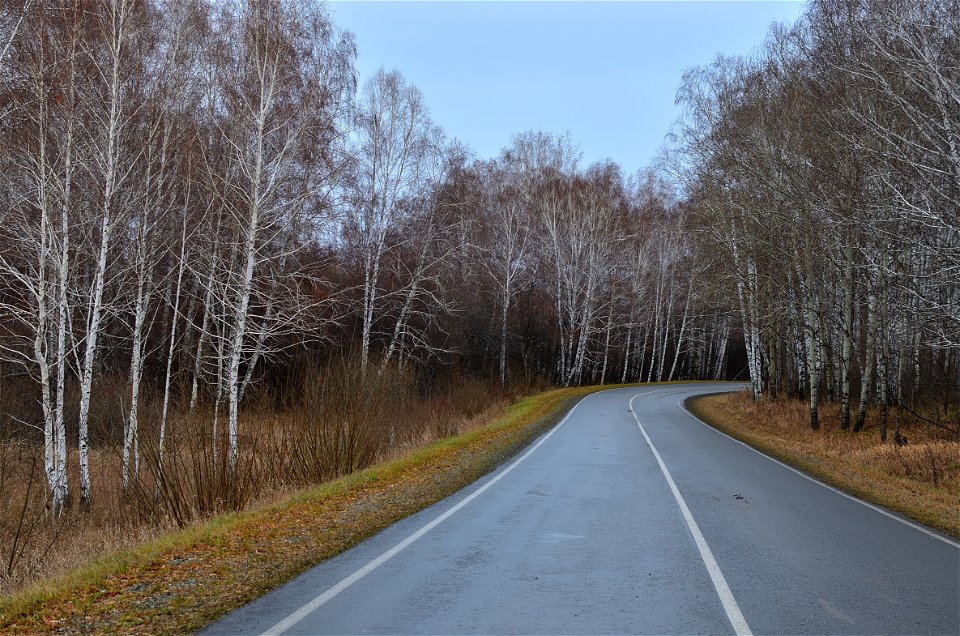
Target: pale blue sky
607,72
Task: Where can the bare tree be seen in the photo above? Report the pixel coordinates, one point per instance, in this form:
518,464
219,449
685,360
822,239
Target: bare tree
284,68
395,145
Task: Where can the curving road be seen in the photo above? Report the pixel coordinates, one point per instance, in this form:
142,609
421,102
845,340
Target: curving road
631,516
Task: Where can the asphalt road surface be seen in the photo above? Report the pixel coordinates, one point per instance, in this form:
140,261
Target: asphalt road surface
631,520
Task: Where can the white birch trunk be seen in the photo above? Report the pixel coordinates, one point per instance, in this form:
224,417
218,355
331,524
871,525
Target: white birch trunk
239,328
268,318
606,344
400,326
683,329
813,366
505,310
866,379
722,352
626,353
110,158
130,438
171,350
89,356
666,333
656,326
205,321
847,347
54,466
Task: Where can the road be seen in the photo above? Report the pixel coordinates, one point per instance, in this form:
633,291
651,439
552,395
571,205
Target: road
623,520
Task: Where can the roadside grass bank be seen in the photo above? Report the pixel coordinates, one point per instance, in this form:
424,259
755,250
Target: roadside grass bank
322,422
184,580
920,479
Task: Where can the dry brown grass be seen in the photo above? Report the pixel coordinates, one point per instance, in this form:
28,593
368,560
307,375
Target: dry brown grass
339,422
920,479
33,545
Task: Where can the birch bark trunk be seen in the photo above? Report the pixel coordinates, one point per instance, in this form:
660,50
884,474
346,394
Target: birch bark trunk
683,327
866,380
847,352
110,159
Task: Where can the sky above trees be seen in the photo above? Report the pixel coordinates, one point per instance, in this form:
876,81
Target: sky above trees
490,69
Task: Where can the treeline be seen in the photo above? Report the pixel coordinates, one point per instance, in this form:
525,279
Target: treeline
198,200
824,172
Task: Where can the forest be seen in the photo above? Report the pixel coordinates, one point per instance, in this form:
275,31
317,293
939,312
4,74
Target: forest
224,259
825,174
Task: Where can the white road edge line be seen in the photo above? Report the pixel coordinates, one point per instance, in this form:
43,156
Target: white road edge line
915,526
326,596
734,615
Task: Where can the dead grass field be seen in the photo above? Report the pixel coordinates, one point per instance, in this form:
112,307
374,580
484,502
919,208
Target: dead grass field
334,425
920,479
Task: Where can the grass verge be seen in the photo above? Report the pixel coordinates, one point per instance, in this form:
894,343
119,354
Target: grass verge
184,580
897,478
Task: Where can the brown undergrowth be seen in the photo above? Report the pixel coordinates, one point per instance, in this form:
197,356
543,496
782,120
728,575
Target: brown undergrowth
182,580
920,479
326,423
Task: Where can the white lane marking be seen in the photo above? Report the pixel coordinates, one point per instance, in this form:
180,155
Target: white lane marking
324,597
734,615
915,526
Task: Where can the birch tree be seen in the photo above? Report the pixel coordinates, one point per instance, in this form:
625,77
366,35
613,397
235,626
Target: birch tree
111,167
284,70
393,149
39,220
